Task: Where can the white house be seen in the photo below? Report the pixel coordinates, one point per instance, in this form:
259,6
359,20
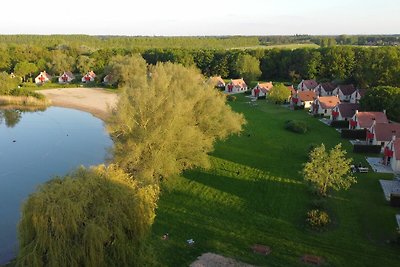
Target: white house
344,111
303,98
381,133
325,104
66,77
236,86
42,77
89,77
307,85
391,154
356,97
326,89
217,81
346,92
261,89
364,120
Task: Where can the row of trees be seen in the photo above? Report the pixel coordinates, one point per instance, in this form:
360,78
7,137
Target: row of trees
102,216
365,67
383,98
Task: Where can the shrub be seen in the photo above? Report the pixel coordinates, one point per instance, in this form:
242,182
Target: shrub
26,92
317,219
296,107
296,126
340,124
318,203
231,98
354,134
373,149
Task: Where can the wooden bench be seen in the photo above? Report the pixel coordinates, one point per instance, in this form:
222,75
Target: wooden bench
311,259
261,249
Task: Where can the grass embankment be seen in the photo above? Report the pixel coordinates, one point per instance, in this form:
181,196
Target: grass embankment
254,194
23,101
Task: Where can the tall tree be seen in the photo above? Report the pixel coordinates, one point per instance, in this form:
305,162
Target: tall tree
84,64
25,68
279,93
167,120
329,169
248,67
91,217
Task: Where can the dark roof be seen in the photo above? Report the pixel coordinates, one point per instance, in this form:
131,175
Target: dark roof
310,84
347,110
328,87
362,92
347,89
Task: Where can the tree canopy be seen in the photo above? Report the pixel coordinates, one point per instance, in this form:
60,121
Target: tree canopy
248,67
383,98
91,217
279,93
167,120
329,169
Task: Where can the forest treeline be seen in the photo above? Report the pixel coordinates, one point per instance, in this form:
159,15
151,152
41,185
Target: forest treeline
365,67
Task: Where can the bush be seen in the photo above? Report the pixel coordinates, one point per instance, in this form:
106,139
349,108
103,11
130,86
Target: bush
296,126
26,92
373,149
296,107
317,219
340,124
231,98
354,134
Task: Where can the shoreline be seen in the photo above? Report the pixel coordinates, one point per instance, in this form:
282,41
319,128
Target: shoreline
95,101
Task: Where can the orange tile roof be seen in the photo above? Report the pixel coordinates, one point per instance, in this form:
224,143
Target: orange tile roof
306,96
328,102
267,86
366,119
238,82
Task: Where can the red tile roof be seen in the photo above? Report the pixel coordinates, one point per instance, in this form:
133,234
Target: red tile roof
292,90
366,119
347,110
215,80
328,102
306,96
385,131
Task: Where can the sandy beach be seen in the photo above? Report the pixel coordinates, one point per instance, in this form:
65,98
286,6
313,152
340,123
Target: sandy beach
96,101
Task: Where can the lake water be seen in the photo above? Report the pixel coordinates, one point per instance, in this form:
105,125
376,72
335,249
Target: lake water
35,146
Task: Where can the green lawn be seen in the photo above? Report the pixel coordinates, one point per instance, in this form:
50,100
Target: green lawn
254,194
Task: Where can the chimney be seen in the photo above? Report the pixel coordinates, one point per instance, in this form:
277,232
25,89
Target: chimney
384,111
356,111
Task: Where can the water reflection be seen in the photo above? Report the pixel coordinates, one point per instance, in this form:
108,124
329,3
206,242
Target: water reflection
11,115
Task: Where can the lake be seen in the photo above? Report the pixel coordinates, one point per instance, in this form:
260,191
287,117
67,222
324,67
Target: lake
35,146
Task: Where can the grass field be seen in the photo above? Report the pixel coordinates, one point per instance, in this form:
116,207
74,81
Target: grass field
254,194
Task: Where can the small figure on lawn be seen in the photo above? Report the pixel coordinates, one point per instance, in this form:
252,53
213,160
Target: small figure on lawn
165,236
190,241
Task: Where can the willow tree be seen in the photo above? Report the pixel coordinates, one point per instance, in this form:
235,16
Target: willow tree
167,120
329,169
92,217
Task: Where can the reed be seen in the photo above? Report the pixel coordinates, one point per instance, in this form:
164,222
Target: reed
23,101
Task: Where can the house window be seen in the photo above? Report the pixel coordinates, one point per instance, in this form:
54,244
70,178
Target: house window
325,111
382,143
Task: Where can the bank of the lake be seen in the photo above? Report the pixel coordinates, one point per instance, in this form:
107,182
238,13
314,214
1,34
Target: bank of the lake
36,146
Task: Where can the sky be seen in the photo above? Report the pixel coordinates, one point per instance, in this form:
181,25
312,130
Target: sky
206,17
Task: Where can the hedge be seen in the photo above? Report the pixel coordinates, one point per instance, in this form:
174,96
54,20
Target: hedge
340,124
354,134
375,149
